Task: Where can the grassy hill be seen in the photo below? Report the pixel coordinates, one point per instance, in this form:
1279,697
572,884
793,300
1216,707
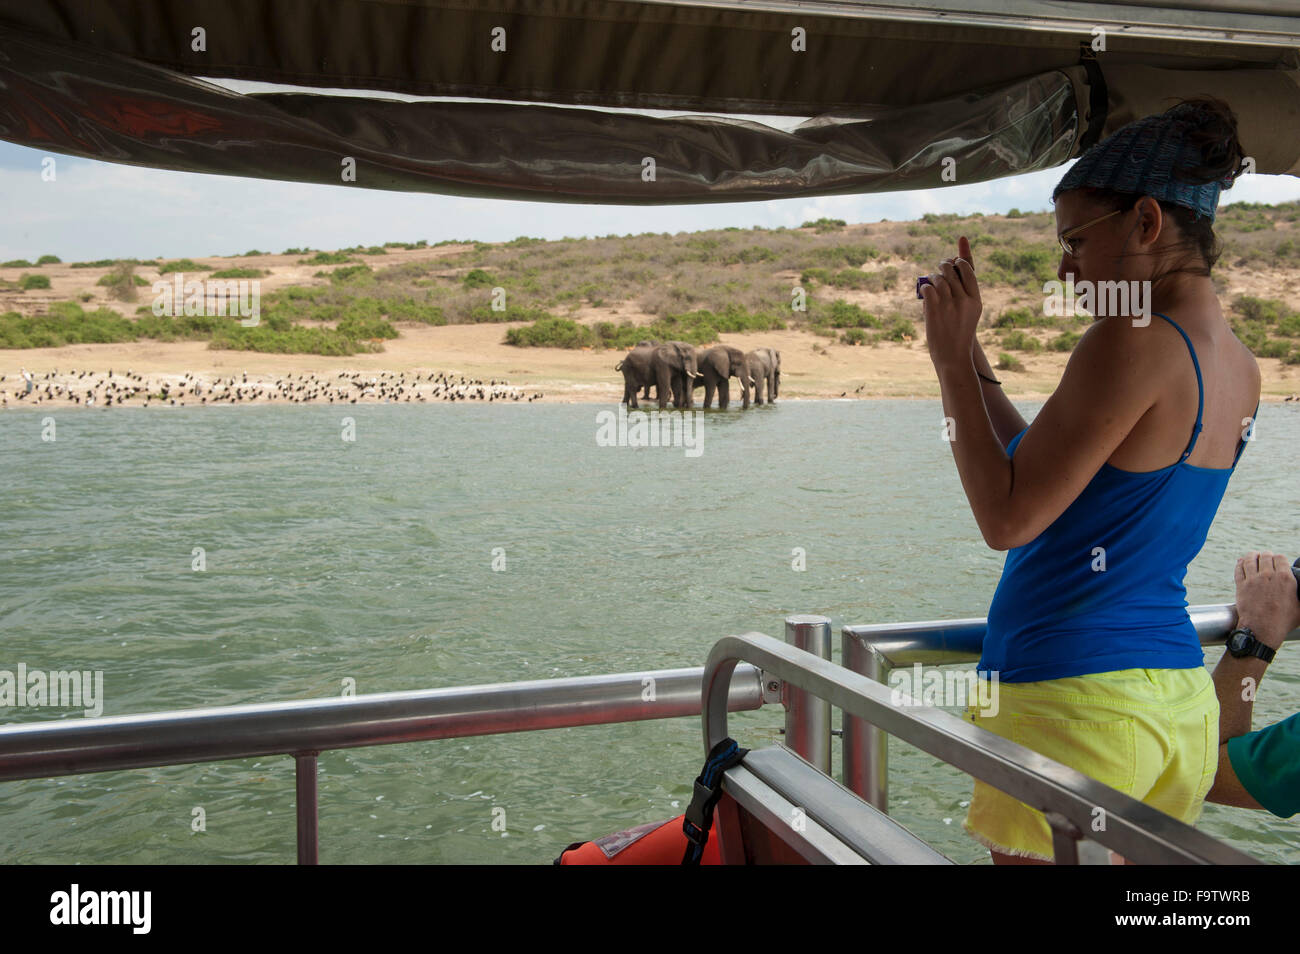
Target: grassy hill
853,281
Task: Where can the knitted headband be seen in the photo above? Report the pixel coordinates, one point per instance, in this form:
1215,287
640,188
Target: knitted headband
1142,157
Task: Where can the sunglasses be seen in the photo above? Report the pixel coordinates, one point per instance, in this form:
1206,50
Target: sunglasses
1065,238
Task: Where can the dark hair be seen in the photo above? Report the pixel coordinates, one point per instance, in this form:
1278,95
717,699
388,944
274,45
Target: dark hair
1214,130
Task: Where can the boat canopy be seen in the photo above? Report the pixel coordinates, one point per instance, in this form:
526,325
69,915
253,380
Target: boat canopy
530,99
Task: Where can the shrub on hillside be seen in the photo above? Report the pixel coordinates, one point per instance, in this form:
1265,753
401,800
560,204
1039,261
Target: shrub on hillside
324,258
1017,340
1065,341
182,265
240,273
121,282
551,333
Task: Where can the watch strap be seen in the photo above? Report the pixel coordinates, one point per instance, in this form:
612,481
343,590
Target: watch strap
1253,647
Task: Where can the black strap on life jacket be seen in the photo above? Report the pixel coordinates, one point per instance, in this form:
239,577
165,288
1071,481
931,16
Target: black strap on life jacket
708,789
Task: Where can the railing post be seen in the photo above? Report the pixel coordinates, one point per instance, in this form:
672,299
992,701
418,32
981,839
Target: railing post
866,746
1065,839
308,835
808,718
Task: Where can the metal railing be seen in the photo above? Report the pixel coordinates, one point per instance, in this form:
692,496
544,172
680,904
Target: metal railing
1068,798
875,651
306,728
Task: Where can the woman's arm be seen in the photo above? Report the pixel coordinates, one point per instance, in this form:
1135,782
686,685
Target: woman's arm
1006,420
1111,380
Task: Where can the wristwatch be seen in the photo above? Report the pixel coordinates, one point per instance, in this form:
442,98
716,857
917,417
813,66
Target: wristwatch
1242,642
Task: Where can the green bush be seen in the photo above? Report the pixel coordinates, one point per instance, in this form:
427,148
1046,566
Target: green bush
477,278
898,329
839,256
1017,340
240,273
749,255
854,336
65,323
1007,362
49,260
33,281
353,275
179,327
551,333
1065,341
182,265
110,262
883,280
1021,263
695,327
1266,310
295,340
703,326
111,280
813,275
841,314
121,282
16,263
484,314
325,258
825,225
1024,318
408,309
366,328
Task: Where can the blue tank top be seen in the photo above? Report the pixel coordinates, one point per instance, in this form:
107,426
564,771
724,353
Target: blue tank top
1057,613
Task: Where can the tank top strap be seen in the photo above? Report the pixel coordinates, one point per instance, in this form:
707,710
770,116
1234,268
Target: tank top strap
1249,431
1200,391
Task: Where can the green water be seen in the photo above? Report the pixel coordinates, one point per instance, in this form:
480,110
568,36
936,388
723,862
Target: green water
372,560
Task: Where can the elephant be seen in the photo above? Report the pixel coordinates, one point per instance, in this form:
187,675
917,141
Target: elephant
667,366
765,368
717,365
674,368
636,371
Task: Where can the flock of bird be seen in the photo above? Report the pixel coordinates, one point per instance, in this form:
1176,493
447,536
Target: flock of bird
99,389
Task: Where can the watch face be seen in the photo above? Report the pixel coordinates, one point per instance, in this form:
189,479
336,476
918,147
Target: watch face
1237,643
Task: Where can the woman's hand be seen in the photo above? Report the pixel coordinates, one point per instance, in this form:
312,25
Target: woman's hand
952,309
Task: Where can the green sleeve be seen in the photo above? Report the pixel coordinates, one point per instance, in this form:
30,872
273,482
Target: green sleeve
1268,764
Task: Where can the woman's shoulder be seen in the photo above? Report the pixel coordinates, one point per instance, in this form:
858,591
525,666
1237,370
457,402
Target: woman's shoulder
1138,348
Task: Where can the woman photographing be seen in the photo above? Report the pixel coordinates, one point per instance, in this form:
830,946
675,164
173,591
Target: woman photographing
1106,498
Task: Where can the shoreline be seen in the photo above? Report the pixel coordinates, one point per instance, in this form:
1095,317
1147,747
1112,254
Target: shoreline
472,362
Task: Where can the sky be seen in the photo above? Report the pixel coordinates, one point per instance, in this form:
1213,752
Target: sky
97,210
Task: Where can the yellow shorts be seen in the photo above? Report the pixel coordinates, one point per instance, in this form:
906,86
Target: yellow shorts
1153,734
